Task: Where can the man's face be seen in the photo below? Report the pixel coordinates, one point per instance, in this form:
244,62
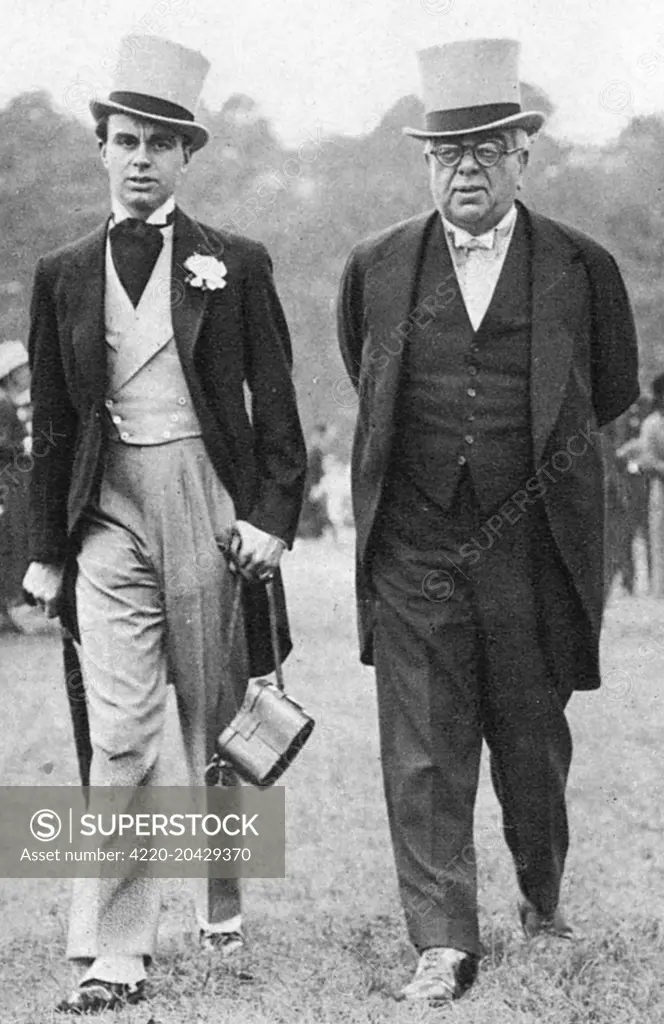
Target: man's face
471,196
144,161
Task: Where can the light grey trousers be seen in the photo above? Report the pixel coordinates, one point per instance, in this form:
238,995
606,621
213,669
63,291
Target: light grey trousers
153,597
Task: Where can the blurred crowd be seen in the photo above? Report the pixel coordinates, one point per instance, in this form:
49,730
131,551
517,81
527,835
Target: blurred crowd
327,506
635,494
15,463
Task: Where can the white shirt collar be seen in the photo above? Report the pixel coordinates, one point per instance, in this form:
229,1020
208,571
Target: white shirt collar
121,212
461,238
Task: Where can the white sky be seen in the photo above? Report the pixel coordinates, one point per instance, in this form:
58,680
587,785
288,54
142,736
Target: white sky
337,65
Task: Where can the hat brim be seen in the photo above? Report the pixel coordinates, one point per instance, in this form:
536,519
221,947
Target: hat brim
530,120
196,133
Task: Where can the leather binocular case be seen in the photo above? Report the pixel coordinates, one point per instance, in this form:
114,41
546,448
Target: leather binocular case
270,729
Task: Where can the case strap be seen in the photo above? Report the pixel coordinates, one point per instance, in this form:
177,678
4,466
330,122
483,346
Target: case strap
235,610
274,634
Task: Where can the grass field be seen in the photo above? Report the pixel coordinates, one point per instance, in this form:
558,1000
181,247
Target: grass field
327,943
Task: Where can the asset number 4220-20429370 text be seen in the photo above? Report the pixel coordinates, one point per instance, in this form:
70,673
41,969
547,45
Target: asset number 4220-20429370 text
188,853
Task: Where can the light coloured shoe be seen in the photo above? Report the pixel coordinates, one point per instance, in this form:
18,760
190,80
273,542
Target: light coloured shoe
225,944
536,924
442,974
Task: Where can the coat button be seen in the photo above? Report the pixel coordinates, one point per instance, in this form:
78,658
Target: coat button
182,401
469,438
462,460
471,392
124,435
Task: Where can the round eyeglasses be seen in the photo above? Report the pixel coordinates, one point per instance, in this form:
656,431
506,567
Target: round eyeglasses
486,154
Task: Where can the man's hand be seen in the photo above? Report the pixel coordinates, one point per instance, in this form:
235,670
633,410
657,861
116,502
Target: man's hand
44,584
255,553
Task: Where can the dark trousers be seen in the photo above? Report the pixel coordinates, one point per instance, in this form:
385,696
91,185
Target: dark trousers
461,656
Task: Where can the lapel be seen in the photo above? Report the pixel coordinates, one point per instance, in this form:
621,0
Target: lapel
502,292
558,296
86,297
188,305
390,285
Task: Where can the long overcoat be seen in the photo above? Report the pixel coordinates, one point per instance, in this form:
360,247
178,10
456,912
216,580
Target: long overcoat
583,374
232,342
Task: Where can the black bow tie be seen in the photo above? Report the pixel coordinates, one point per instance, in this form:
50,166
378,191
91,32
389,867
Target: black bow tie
135,247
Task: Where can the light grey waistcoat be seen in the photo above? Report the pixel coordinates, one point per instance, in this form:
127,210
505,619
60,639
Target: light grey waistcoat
147,396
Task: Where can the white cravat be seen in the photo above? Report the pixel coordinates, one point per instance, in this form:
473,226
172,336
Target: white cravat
478,261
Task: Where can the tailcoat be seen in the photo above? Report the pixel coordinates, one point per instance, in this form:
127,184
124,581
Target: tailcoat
583,374
235,352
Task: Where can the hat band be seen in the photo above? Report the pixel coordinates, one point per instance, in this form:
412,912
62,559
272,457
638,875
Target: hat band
469,118
151,106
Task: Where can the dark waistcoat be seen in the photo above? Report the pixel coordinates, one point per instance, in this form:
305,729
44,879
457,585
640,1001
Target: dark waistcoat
464,395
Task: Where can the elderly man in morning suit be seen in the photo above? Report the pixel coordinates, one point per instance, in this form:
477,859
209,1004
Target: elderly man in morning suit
142,343
487,345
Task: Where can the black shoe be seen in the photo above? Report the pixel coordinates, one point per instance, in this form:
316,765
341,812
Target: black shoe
94,996
536,924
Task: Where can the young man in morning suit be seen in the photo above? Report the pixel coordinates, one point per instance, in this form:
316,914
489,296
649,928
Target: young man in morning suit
143,338
487,345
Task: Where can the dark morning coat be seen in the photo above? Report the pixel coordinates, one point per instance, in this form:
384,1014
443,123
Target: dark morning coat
228,340
583,375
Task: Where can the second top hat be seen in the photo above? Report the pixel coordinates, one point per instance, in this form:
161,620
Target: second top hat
472,86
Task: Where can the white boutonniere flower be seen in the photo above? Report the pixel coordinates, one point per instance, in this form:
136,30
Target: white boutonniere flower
205,272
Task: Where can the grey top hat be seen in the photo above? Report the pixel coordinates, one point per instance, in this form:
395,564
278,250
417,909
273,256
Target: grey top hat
159,80
472,86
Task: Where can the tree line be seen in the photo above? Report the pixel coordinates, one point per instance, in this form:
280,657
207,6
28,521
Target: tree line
311,203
